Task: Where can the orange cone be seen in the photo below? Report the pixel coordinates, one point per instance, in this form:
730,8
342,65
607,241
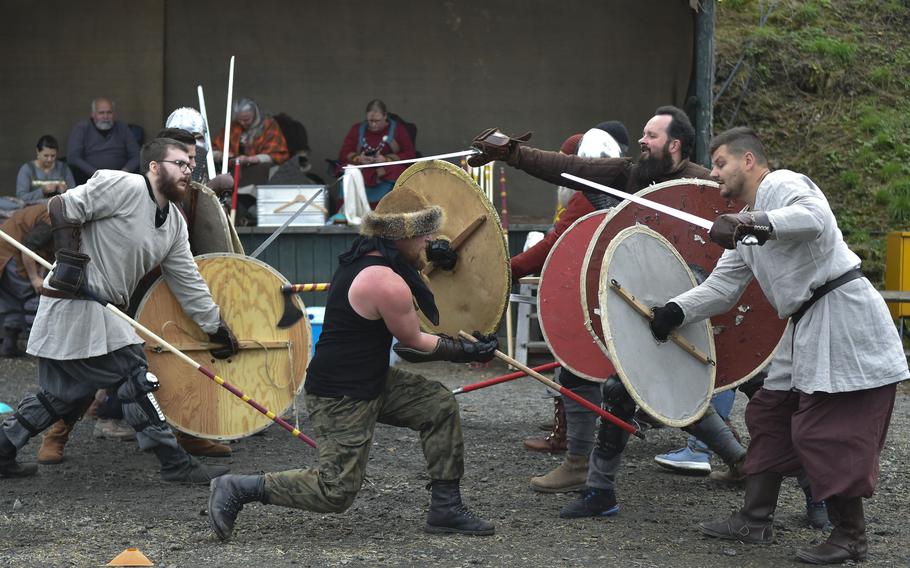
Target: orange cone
130,557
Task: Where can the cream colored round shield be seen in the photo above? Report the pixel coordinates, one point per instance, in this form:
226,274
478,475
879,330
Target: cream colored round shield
673,381
475,294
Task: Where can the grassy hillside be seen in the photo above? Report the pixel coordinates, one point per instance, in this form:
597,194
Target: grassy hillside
827,85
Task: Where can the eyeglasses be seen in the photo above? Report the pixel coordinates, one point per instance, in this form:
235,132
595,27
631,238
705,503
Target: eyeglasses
184,166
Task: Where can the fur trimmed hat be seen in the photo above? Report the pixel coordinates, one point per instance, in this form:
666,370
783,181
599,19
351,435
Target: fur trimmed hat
401,214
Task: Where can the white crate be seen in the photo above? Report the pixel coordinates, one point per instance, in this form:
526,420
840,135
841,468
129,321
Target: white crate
272,197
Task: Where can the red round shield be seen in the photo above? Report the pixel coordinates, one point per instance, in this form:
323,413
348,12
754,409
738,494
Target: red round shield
559,308
747,335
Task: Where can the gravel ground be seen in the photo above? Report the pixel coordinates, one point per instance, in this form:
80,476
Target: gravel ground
107,496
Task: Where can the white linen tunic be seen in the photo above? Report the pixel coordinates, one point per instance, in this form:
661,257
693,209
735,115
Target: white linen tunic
846,341
120,237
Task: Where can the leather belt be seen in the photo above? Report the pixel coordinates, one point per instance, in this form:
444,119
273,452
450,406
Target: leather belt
817,294
67,296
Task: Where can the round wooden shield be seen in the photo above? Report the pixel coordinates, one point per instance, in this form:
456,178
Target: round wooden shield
269,368
473,296
559,308
748,334
672,385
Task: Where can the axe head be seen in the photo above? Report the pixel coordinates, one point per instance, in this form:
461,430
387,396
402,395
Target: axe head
292,313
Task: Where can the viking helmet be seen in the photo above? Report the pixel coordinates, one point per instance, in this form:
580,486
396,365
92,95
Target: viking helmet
597,143
188,119
401,214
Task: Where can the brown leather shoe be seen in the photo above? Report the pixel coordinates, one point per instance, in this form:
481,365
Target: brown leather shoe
52,443
202,447
570,475
555,442
848,539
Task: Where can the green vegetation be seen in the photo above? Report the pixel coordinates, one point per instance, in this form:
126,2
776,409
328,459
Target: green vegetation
827,84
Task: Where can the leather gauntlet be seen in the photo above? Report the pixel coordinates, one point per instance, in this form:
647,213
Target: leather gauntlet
69,272
731,228
453,349
495,145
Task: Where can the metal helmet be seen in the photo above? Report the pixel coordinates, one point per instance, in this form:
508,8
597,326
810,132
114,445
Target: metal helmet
598,144
188,119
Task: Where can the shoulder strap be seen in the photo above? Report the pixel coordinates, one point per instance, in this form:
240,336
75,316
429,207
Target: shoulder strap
392,125
360,136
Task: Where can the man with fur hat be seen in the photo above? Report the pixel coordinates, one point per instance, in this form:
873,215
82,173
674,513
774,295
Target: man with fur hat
350,385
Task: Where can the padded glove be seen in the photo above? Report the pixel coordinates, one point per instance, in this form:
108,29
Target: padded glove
453,349
69,272
441,254
494,145
665,319
730,228
225,337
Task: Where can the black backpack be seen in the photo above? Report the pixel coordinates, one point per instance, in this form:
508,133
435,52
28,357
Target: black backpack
294,133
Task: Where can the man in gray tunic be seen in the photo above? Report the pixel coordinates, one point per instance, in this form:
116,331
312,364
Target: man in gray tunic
107,235
827,401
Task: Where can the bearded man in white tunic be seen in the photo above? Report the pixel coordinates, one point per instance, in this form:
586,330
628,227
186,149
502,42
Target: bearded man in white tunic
827,401
108,234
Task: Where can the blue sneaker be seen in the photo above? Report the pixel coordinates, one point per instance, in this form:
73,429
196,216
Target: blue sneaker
694,458
593,503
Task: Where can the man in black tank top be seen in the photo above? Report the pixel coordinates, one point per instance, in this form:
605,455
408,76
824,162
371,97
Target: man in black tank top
350,386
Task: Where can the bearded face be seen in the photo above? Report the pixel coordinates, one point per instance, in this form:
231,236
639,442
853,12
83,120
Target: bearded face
173,186
413,250
655,165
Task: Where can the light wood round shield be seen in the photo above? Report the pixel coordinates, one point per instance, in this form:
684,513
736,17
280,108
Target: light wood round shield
473,296
269,368
559,307
748,334
664,379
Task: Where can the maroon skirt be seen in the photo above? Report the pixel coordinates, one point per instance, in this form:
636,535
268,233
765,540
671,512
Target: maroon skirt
835,438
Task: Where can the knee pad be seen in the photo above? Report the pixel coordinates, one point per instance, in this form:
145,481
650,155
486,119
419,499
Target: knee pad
616,399
138,390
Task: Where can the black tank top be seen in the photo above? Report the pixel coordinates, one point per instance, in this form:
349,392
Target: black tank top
352,354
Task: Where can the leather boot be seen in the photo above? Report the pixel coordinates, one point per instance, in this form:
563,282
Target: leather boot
53,442
848,539
753,524
228,494
570,475
9,467
555,442
178,466
202,447
448,514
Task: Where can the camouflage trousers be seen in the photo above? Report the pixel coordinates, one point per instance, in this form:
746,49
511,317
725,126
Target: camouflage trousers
343,429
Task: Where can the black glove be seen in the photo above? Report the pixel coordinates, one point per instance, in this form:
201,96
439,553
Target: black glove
494,145
730,228
225,337
69,272
453,349
441,254
664,320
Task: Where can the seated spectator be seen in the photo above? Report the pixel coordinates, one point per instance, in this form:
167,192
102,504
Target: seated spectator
377,139
45,176
255,138
101,143
20,276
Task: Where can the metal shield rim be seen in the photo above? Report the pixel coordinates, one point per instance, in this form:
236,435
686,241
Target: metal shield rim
308,348
585,320
617,363
503,303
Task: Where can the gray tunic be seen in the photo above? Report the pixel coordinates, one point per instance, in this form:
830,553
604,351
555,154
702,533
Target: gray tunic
120,236
846,341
